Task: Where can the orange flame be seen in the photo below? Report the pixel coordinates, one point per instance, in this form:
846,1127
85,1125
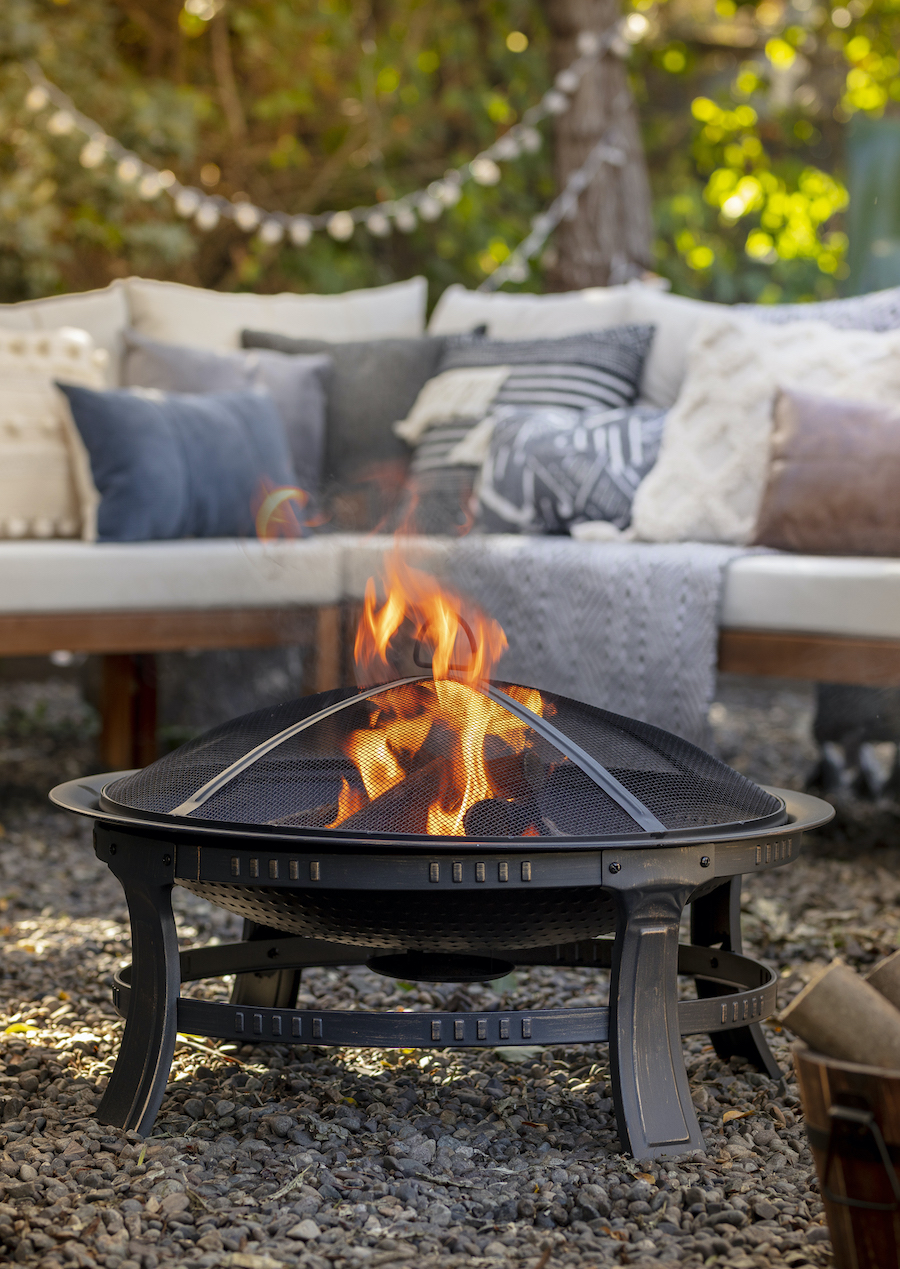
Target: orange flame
435,731
417,606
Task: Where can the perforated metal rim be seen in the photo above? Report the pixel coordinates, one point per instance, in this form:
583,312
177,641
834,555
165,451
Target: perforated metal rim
84,796
666,753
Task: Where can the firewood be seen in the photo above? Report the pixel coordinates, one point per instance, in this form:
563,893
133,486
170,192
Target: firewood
842,1016
885,977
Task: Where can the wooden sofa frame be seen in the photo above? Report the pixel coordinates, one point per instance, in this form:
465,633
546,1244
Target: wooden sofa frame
128,642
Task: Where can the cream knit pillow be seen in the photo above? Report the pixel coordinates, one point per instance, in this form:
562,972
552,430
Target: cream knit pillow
44,471
708,483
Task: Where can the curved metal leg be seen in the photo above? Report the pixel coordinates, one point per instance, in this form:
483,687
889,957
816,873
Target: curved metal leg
138,1081
716,921
654,1111
275,990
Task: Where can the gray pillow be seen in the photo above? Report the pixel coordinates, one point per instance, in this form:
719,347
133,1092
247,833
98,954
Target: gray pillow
549,469
179,464
374,384
298,387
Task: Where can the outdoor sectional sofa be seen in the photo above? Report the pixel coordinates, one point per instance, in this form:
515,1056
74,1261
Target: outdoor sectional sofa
823,618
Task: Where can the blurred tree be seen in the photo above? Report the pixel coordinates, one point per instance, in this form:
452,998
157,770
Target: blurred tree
745,107
611,238
299,107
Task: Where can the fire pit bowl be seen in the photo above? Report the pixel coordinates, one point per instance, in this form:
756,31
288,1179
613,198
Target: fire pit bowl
446,831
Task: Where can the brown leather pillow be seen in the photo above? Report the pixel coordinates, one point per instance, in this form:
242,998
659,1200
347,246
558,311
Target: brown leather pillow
834,478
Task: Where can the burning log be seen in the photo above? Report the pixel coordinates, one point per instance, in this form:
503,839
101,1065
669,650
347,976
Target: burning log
844,1016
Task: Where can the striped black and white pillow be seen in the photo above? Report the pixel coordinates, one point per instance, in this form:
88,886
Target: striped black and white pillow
597,370
594,370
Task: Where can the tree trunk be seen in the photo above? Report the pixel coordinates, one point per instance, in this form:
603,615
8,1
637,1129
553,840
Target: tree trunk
609,240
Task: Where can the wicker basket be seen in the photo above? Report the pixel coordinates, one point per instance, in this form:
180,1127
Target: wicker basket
853,1122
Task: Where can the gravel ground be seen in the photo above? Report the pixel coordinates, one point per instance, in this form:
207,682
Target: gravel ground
276,1156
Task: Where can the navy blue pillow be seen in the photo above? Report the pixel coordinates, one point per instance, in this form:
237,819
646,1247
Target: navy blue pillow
180,465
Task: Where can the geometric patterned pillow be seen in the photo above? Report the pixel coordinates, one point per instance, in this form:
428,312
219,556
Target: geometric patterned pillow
551,468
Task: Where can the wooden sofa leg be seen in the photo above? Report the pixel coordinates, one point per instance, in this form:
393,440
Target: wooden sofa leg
329,641
128,710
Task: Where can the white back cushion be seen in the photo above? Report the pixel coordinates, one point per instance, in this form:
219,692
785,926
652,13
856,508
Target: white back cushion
709,479
675,320
41,456
528,316
103,314
190,315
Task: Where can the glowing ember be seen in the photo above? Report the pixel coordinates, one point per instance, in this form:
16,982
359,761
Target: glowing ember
454,771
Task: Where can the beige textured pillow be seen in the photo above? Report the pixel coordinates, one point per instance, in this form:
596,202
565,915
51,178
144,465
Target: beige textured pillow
708,483
44,472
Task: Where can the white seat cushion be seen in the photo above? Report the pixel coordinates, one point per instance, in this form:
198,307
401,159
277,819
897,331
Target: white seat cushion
189,315
47,577
767,591
103,314
813,594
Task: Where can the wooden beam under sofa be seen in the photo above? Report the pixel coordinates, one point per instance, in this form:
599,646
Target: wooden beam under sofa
127,642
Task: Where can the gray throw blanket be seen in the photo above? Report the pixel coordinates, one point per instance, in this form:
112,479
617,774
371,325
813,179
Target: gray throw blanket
626,626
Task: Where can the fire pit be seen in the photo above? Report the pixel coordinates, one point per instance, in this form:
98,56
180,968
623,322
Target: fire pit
443,827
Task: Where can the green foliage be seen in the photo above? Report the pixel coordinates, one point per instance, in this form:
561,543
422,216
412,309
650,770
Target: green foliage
300,107
306,107
744,108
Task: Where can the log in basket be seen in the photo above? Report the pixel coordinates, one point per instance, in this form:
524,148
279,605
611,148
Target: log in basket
446,831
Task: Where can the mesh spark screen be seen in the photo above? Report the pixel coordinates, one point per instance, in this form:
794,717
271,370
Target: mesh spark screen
441,760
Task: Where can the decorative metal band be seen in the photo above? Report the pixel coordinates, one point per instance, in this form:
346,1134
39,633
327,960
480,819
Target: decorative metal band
754,1001
593,769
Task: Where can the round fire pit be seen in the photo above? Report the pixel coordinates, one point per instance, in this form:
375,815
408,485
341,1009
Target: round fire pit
446,831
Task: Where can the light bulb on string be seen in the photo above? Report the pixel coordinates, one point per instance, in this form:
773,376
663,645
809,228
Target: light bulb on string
300,231
555,103
429,208
378,225
589,43
37,98
506,148
447,192
271,232
405,219
207,216
187,201
128,170
166,178
93,152
567,80
341,226
149,186
246,216
60,123
530,140
484,171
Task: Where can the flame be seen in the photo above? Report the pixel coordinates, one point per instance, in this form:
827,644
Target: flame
350,801
416,604
433,732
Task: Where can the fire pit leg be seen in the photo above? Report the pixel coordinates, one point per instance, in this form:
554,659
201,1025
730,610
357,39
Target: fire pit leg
274,990
138,1081
716,920
654,1111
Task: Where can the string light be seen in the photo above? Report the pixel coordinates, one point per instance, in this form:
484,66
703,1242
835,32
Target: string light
515,267
404,214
